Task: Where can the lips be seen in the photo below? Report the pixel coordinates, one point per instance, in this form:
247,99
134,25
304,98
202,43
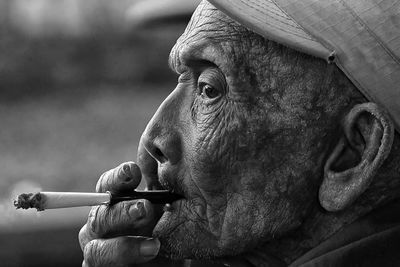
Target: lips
168,178
172,197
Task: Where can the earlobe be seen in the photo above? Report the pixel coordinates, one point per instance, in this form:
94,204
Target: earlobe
354,162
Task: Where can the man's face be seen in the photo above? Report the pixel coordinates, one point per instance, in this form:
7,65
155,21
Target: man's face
242,137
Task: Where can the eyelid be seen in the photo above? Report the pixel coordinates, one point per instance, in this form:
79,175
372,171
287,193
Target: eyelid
214,77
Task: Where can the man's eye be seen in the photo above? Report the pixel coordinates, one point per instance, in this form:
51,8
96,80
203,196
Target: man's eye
208,91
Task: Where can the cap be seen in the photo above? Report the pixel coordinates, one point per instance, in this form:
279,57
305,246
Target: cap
361,37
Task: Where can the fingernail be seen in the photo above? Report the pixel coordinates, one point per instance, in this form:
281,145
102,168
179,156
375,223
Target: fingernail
135,171
137,211
92,222
127,173
140,207
150,247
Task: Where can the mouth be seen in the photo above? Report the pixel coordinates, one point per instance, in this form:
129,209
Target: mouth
172,197
176,193
173,186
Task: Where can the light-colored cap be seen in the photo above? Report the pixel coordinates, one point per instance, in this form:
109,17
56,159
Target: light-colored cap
361,37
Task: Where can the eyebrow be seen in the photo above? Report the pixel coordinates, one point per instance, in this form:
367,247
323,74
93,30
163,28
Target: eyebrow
191,56
171,63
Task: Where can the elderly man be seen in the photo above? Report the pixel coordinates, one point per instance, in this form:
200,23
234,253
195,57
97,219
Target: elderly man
280,159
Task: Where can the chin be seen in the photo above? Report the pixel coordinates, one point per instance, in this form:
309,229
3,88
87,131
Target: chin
185,237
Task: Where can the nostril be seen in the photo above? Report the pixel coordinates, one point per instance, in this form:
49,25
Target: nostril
154,150
159,155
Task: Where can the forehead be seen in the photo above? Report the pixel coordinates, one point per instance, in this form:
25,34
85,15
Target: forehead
208,21
208,32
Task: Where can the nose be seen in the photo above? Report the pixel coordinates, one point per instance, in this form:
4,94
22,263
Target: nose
162,136
164,148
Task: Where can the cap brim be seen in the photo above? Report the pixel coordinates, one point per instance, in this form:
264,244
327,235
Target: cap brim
266,18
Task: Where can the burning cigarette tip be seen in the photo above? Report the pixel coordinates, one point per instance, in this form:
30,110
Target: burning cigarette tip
26,201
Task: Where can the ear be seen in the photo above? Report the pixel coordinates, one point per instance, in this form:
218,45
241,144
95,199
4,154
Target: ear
352,165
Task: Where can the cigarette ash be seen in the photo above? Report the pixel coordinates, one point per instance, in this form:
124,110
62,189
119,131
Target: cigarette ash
26,201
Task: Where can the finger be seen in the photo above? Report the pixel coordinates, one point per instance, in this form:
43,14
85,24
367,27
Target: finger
85,236
120,251
126,217
125,177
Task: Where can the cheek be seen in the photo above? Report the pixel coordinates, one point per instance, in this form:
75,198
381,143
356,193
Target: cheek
234,171
242,163
210,149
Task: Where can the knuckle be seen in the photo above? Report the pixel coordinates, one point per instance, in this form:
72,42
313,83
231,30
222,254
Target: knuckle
104,220
115,173
117,218
92,221
83,237
91,252
129,213
97,220
123,217
100,182
123,211
82,232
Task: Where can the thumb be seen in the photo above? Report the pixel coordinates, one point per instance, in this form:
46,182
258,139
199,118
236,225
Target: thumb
124,250
124,178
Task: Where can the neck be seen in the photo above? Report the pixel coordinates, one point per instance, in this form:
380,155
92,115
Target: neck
318,227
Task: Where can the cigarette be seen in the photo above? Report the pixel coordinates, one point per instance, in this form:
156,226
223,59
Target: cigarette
56,200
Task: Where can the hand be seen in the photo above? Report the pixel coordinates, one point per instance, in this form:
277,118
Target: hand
118,235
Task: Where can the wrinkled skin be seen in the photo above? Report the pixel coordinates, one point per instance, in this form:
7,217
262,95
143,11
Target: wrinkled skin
243,137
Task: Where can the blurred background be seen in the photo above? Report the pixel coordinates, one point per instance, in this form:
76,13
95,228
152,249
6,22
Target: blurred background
78,82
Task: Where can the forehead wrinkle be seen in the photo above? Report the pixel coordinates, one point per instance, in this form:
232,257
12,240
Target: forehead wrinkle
209,22
208,27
